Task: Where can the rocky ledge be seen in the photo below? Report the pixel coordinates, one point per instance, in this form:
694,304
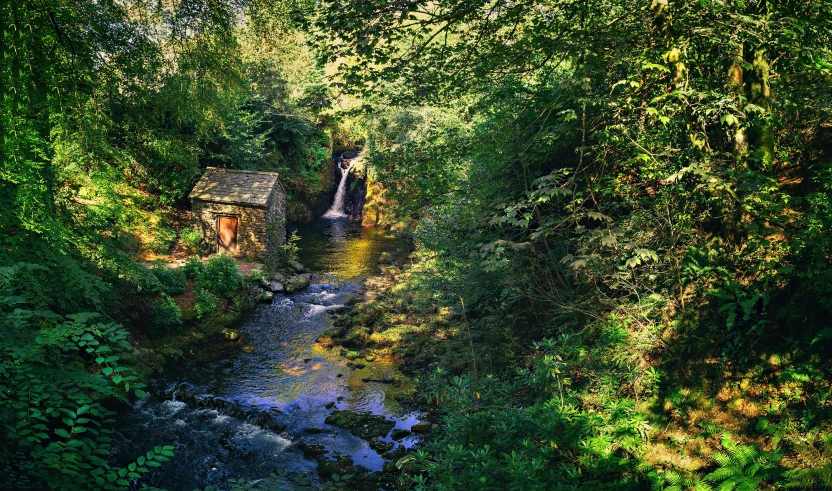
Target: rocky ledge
293,278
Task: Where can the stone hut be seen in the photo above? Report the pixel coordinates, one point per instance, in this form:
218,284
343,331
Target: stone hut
240,212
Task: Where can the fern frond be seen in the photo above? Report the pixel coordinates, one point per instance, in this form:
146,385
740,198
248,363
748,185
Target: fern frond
673,478
680,483
721,474
815,477
724,460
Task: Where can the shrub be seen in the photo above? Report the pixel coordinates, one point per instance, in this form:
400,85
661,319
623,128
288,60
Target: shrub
205,303
220,276
289,251
193,240
163,239
165,314
173,281
51,404
193,267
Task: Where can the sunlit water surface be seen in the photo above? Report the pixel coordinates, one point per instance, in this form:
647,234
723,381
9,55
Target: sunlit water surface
281,373
343,248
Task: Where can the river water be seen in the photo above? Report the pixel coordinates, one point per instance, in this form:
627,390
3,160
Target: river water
246,412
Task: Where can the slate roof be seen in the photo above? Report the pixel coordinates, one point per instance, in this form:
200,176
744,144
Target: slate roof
246,187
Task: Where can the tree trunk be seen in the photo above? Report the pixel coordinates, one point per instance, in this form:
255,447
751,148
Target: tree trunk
761,97
735,88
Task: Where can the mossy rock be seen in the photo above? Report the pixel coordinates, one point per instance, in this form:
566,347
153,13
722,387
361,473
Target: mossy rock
311,451
362,424
385,258
231,334
352,355
301,283
398,434
380,446
363,319
355,337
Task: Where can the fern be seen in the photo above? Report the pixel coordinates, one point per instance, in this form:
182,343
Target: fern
677,482
814,477
743,467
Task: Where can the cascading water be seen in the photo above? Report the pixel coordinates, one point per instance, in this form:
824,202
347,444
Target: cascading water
249,414
338,204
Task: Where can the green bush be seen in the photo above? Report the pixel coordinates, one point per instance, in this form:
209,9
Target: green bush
193,267
165,314
289,251
56,370
220,276
193,240
164,238
173,281
205,303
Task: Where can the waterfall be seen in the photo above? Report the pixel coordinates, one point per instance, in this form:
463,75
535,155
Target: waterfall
337,208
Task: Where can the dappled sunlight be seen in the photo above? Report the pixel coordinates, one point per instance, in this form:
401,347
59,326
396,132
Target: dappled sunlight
343,248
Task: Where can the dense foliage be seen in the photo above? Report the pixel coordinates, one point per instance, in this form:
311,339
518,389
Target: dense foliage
110,111
55,427
626,206
632,199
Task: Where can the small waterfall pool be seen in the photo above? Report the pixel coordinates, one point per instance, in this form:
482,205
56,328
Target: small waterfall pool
245,413
344,248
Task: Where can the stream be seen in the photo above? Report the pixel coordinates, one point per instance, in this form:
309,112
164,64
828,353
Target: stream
245,413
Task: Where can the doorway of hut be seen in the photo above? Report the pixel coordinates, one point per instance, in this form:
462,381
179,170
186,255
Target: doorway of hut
227,234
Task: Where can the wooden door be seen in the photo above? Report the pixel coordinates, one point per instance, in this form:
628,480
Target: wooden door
227,234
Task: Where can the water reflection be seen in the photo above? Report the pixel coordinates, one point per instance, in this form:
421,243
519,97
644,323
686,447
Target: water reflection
284,374
343,248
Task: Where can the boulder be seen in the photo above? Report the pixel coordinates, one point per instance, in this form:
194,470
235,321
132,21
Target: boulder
398,434
301,283
276,287
363,424
311,451
342,466
421,427
297,267
266,297
231,334
380,446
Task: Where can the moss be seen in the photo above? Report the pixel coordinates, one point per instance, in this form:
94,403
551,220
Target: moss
362,424
352,355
